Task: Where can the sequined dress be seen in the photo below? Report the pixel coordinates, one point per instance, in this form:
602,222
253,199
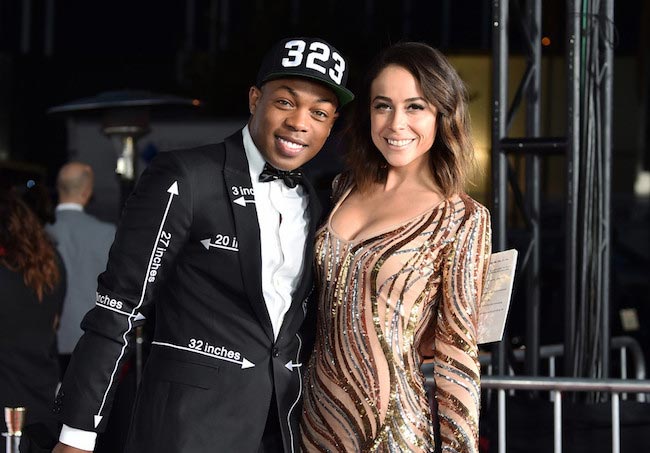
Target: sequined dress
386,303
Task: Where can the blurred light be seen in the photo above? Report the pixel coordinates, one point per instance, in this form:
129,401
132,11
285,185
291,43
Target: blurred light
642,184
546,41
31,183
196,102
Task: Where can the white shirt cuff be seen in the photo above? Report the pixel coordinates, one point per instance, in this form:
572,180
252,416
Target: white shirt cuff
78,438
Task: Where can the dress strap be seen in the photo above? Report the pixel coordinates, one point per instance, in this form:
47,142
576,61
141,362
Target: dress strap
342,182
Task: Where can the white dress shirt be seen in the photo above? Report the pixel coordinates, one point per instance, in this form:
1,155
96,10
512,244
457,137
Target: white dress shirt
69,207
283,220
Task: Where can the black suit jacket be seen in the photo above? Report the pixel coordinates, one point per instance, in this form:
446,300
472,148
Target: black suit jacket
188,244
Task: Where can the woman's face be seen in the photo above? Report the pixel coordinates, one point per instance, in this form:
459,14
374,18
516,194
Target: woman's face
402,121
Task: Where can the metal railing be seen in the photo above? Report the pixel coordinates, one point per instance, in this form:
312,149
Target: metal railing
618,388
556,386
624,345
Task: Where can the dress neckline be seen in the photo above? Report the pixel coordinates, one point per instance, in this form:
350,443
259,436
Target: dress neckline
385,230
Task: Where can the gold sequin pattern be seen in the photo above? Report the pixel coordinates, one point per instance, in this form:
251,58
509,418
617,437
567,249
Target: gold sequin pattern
385,304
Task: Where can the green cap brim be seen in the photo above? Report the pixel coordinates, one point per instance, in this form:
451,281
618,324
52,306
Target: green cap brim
343,95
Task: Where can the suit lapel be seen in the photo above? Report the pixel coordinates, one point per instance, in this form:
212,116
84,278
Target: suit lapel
314,221
240,189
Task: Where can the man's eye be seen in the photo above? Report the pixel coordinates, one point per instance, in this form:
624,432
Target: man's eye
320,114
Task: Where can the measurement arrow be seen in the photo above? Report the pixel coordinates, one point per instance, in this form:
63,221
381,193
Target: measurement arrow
244,363
242,201
207,243
290,365
139,317
172,191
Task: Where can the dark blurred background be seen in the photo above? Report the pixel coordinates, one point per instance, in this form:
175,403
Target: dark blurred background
53,52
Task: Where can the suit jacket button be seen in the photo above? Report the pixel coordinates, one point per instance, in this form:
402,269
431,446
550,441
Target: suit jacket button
275,352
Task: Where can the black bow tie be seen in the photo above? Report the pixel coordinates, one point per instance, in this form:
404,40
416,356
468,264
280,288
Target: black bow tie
290,177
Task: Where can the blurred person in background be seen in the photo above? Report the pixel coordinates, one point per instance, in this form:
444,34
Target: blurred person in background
37,197
32,279
83,242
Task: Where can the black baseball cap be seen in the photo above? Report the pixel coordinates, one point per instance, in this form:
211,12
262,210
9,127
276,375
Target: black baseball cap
312,58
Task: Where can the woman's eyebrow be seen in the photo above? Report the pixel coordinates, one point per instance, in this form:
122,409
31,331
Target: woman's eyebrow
385,98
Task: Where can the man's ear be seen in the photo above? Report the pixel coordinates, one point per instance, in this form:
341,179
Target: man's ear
86,194
254,95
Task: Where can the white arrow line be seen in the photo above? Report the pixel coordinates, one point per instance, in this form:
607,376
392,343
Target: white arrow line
241,201
293,406
112,309
244,362
172,190
137,317
290,365
207,244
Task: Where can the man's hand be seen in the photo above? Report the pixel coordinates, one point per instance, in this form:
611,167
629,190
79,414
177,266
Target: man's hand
63,448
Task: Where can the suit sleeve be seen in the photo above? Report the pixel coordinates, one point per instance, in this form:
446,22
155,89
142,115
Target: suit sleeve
457,369
153,229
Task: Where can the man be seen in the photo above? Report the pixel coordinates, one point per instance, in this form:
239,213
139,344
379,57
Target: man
220,244
83,242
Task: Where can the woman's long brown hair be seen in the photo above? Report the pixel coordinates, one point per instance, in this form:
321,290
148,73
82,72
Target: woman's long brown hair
26,248
452,155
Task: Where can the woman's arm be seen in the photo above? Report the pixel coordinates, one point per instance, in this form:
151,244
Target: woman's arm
457,369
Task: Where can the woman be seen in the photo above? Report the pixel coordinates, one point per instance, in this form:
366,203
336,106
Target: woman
32,289
401,265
